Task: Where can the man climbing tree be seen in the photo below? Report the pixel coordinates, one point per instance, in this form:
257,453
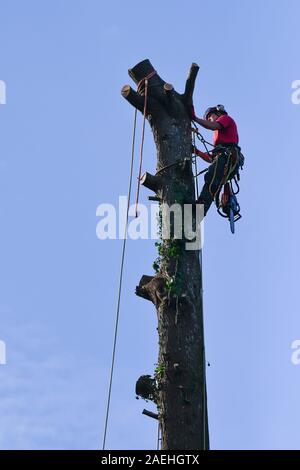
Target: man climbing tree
225,158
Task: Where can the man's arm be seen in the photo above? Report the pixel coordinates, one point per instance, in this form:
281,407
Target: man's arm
212,126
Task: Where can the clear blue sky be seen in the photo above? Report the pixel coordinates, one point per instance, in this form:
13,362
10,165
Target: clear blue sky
65,148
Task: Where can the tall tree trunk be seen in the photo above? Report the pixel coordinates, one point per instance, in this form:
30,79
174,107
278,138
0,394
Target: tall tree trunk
178,386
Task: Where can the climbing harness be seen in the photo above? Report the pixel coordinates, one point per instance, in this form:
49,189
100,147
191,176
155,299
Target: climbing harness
230,165
228,206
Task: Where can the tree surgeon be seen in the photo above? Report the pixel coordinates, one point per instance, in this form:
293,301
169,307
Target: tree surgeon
226,157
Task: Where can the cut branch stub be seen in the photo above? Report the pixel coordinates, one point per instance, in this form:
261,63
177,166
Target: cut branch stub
145,69
141,290
156,92
133,97
152,288
190,84
150,414
146,388
141,70
168,88
151,181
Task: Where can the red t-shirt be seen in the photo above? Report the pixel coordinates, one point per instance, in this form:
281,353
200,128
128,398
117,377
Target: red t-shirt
228,134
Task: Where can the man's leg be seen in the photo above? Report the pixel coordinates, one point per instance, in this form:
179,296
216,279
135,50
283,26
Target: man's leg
213,179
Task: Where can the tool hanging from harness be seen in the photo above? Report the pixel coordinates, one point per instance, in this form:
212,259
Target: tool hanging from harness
227,204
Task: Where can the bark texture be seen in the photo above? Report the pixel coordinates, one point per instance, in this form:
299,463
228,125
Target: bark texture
176,288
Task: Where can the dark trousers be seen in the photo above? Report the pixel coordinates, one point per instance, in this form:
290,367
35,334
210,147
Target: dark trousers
214,178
